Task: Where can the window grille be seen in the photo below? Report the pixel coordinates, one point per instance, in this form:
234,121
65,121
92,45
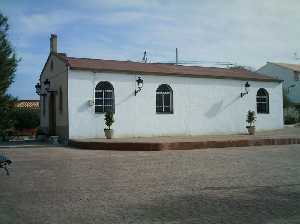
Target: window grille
262,101
104,98
164,99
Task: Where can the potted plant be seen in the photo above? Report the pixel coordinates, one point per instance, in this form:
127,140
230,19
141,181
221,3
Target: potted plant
109,120
251,118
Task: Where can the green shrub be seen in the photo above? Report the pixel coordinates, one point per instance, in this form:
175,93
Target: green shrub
286,102
109,119
251,118
291,115
7,116
26,118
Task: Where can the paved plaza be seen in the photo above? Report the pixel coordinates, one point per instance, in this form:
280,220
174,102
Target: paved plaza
232,185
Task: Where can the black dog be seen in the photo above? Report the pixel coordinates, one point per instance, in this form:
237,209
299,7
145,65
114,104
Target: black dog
4,162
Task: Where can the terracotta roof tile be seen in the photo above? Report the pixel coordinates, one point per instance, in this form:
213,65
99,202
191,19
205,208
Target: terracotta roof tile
162,69
30,104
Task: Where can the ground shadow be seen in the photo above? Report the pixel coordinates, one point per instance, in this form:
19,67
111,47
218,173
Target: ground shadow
257,205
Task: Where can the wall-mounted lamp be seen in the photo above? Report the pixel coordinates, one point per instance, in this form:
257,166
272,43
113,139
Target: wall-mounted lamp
38,88
247,86
91,103
140,83
47,84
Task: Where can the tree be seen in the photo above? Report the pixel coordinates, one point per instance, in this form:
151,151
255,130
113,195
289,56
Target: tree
7,108
26,118
8,66
8,60
286,101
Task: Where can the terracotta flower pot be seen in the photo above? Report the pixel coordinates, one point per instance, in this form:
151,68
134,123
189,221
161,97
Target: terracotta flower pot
251,130
108,133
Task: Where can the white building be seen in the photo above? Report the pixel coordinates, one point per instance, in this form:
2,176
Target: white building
174,100
289,73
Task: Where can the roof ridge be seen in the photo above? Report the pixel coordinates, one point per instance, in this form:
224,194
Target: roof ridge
132,67
284,63
159,63
293,67
98,59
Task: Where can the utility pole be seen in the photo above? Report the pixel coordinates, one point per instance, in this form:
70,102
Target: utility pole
176,56
145,57
296,56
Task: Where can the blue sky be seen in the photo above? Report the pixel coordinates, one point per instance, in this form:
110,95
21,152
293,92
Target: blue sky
242,32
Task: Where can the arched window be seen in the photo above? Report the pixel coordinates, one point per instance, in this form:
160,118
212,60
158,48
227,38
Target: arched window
164,99
262,101
104,98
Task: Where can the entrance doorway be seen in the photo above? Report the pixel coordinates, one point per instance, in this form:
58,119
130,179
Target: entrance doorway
52,114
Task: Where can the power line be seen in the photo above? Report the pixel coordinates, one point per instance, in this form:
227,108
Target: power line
197,62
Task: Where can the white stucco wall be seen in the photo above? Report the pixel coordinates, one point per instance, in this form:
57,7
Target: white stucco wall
201,106
58,78
287,76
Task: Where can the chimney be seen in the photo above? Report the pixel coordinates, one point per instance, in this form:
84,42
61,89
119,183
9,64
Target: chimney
53,43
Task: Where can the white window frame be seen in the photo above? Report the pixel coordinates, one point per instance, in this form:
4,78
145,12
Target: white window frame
102,99
163,94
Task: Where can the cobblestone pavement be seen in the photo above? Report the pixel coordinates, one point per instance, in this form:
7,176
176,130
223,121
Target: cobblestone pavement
233,185
287,132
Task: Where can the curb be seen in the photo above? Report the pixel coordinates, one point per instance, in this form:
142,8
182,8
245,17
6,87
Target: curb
158,146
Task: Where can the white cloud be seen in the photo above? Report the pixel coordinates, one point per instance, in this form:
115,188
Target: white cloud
118,4
35,24
244,32
247,32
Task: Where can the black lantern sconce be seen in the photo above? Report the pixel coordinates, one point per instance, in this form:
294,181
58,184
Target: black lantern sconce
47,85
140,84
38,88
247,86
